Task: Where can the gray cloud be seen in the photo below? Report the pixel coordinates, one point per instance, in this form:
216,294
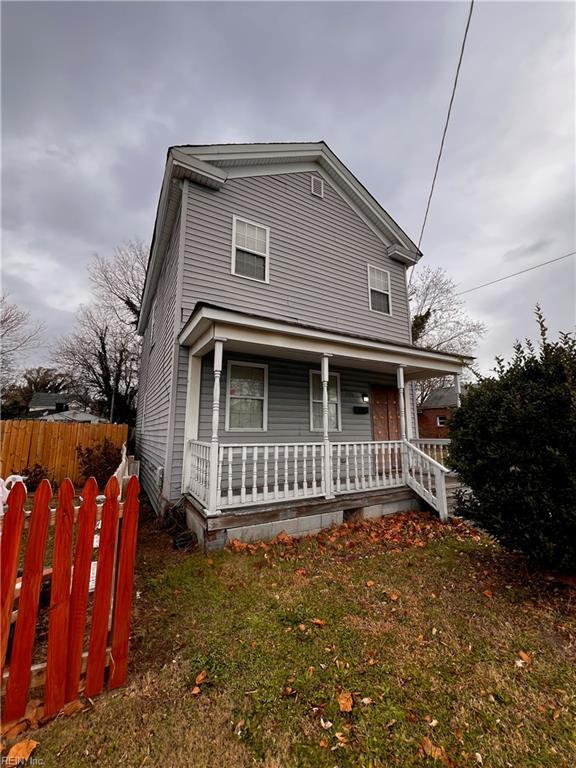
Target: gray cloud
94,93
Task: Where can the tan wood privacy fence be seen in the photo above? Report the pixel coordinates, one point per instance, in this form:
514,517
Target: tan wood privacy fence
87,633
53,445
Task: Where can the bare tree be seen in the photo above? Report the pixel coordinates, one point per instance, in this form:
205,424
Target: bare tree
18,334
104,355
118,280
440,320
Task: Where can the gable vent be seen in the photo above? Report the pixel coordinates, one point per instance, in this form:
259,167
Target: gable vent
317,186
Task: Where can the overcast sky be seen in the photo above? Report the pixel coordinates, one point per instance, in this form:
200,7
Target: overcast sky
94,93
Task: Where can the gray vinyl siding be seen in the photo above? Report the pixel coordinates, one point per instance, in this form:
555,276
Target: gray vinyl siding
319,252
153,416
289,403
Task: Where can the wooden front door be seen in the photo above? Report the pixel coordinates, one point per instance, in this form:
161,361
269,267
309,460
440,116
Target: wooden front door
385,413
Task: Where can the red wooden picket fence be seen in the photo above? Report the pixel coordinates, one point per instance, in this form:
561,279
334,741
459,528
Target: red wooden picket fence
73,625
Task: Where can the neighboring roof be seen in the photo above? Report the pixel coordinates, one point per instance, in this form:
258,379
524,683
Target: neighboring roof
212,164
50,399
81,417
443,397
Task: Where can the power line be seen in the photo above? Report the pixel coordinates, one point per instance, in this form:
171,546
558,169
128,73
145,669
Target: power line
514,274
446,124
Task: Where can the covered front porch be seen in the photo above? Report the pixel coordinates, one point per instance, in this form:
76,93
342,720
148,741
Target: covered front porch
280,414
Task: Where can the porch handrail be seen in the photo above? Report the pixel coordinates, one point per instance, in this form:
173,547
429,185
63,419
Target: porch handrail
426,456
427,477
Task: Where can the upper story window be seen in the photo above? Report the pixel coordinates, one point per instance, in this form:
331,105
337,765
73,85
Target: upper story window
379,290
441,421
246,397
250,250
316,415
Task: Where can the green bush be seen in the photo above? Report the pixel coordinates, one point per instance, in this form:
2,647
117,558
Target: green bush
514,445
100,461
34,475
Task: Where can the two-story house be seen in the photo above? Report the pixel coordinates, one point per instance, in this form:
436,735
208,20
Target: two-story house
277,364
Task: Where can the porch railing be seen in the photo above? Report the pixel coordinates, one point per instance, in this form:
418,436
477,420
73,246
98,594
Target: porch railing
257,473
199,457
437,448
359,466
427,477
249,474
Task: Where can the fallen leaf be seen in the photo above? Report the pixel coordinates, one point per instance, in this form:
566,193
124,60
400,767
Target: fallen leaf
326,724
318,622
200,677
302,627
345,701
432,750
196,691
370,583
72,707
11,730
488,593
323,743
341,738
393,596
21,752
478,757
526,658
366,701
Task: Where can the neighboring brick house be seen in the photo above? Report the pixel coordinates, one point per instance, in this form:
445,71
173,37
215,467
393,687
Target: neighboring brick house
434,413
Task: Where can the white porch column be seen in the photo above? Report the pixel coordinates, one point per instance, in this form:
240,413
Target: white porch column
325,376
457,388
401,401
402,404
213,476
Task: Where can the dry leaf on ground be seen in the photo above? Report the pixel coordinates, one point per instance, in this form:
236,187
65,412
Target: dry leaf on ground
432,750
318,622
72,707
345,701
21,752
196,691
201,677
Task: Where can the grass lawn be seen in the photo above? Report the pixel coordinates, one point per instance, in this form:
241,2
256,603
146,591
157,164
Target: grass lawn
446,650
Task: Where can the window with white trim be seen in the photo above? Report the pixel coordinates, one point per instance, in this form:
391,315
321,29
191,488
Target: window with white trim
246,397
441,421
334,416
250,250
379,290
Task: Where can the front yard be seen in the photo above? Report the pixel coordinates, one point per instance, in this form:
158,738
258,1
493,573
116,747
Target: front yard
396,642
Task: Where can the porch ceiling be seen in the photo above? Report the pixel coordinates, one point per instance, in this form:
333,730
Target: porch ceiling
265,337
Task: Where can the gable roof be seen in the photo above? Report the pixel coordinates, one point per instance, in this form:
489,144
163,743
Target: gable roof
213,164
443,397
50,399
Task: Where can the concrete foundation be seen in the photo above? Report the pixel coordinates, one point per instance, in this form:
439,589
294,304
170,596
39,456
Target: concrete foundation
297,525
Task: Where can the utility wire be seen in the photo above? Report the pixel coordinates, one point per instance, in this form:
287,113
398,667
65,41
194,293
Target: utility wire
514,274
445,127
